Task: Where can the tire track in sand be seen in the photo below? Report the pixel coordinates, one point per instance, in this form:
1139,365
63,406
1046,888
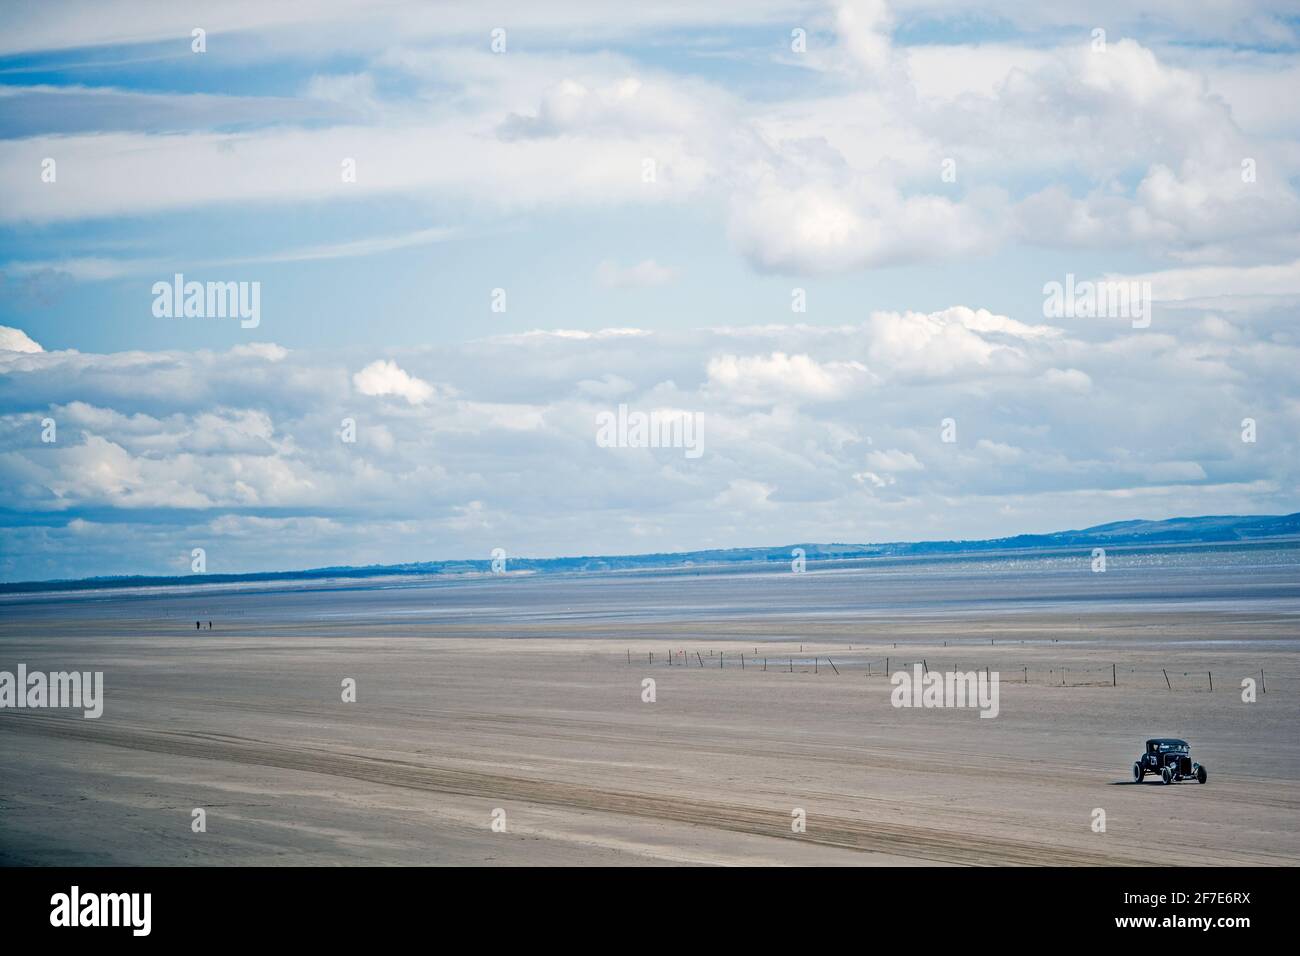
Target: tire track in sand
901,840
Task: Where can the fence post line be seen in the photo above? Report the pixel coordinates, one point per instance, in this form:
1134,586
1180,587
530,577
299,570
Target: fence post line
1211,682
1113,681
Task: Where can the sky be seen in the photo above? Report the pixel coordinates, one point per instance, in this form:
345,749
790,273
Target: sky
822,235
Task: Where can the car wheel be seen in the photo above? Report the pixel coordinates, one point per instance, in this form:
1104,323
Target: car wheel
1201,775
1167,775
1138,772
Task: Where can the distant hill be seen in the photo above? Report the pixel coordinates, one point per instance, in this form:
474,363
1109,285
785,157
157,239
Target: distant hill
1210,529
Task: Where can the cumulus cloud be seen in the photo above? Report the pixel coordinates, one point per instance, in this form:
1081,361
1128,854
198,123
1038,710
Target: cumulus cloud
1167,159
264,350
626,106
810,432
384,377
16,340
845,177
763,379
815,229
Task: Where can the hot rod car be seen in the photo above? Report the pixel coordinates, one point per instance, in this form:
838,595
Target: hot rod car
1169,758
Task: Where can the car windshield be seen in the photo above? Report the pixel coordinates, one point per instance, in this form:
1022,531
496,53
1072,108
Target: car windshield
1166,746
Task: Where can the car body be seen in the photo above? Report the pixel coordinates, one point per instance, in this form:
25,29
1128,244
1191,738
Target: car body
1170,759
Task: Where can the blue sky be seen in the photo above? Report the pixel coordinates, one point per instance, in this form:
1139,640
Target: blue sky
919,170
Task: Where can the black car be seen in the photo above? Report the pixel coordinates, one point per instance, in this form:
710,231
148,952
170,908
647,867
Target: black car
1171,759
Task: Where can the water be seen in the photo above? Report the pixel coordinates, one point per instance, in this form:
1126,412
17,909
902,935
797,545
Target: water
1256,578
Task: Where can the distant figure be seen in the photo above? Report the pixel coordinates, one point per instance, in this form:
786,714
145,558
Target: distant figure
209,625
197,626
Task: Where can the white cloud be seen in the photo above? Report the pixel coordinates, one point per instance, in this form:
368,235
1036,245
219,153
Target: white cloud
16,340
1070,379
607,386
763,379
815,229
894,460
384,377
644,274
818,164
864,28
813,433
840,179
265,350
1208,283
744,495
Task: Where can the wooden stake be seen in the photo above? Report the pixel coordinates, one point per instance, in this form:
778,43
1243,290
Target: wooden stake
833,667
1166,673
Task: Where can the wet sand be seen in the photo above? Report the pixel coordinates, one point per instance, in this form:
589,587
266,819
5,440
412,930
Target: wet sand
542,716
